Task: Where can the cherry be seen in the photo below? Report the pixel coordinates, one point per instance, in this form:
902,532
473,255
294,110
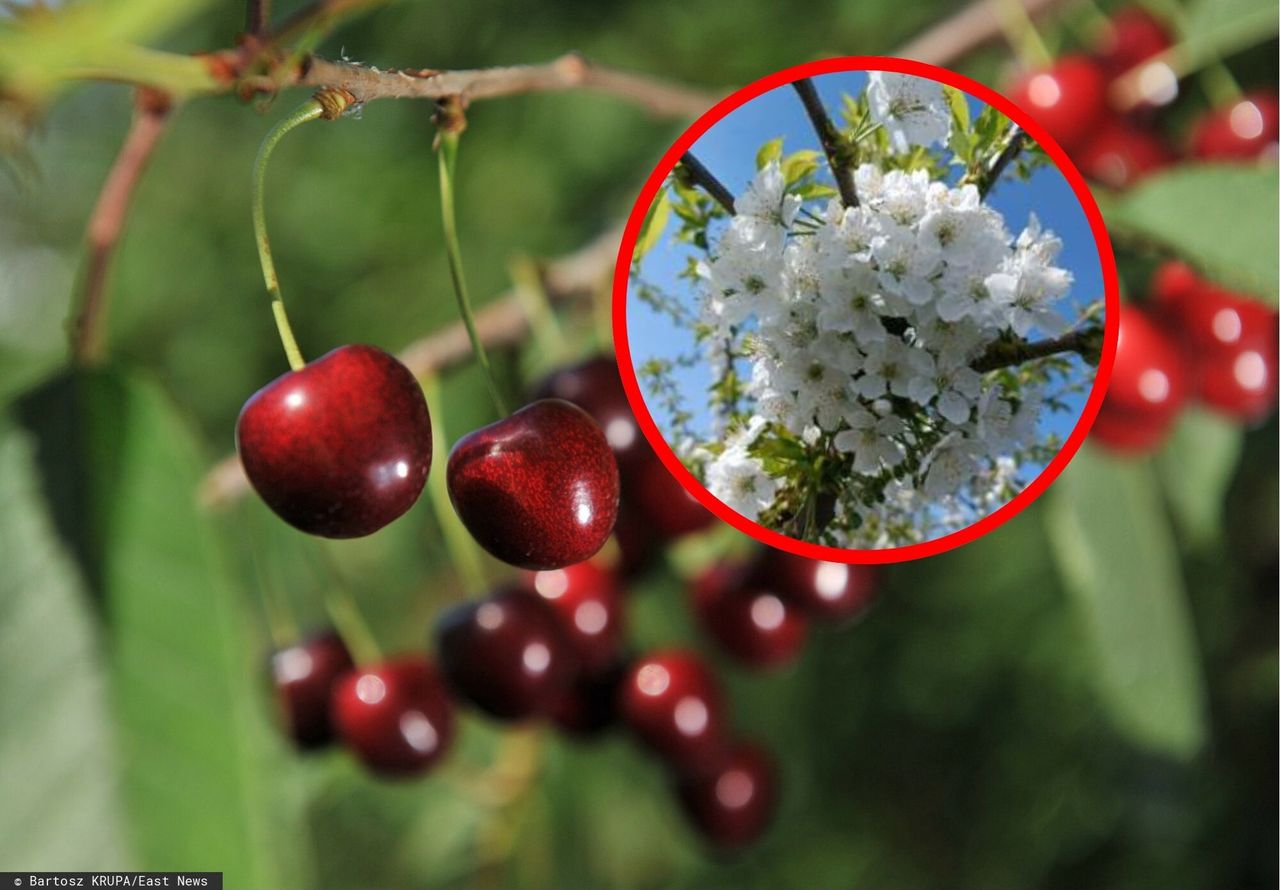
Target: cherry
1247,128
1068,98
1148,385
538,489
590,704
304,676
506,654
595,386
674,706
753,624
638,544
395,716
588,601
340,447
831,590
1121,154
1132,36
1173,282
734,803
661,503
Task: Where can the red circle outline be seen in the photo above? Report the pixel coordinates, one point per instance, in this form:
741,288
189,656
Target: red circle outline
668,457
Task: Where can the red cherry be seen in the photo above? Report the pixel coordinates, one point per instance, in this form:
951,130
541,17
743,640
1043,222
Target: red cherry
340,447
590,704
394,716
588,601
1068,99
754,624
674,706
733,804
1148,385
1247,128
538,489
506,654
1133,35
638,544
661,503
834,591
1121,154
1173,282
595,386
304,676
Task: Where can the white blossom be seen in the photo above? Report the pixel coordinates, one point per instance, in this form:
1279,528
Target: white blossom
912,109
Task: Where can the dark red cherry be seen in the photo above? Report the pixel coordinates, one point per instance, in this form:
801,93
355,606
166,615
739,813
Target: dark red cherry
538,489
304,676
590,705
395,717
638,544
340,447
595,386
661,503
588,601
1173,282
1148,385
506,654
1133,35
1069,98
751,622
674,706
733,804
1121,153
834,591
1247,128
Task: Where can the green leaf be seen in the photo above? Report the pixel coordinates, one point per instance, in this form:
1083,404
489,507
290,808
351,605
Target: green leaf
1196,466
961,140
1218,28
1220,217
120,470
1116,553
655,223
62,807
770,151
799,164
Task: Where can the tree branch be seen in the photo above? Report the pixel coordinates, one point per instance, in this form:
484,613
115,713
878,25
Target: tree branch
151,113
700,176
1085,341
503,322
1016,142
257,17
975,25
833,144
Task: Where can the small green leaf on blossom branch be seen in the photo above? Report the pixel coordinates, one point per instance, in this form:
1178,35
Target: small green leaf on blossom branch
800,164
770,151
655,223
961,139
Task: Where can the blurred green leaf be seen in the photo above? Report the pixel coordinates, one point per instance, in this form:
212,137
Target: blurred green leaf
1221,217
655,223
961,141
57,752
1116,553
1196,466
120,470
770,151
799,164
1218,28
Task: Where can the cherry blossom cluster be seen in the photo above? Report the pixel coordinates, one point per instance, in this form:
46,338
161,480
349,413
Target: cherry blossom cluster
861,327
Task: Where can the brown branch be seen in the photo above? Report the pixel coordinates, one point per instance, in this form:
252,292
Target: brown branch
970,28
833,144
700,176
502,322
106,224
1016,142
257,17
569,72
1085,341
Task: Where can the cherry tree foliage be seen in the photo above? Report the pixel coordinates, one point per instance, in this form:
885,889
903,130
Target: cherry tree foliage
870,388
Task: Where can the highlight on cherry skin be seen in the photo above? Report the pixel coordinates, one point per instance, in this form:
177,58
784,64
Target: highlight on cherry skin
340,447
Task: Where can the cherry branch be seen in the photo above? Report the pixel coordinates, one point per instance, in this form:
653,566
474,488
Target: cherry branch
503,322
106,224
833,144
257,17
1016,142
700,176
1085,341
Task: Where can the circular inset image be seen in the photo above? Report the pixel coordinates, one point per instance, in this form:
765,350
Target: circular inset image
860,310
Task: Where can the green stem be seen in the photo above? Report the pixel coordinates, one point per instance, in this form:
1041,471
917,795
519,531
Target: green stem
307,111
532,294
346,617
448,157
463,551
1023,36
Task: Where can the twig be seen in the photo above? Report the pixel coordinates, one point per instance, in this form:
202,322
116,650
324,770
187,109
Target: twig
833,144
699,175
257,17
968,29
106,224
502,322
1017,141
1085,341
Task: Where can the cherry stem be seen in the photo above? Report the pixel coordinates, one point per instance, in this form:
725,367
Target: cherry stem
1022,35
447,154
463,552
282,628
345,615
307,111
531,292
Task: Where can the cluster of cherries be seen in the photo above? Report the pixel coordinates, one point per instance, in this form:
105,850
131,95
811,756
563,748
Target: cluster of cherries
1190,339
548,645
1071,99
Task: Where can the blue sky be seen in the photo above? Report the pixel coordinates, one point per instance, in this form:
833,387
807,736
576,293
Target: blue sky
728,149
